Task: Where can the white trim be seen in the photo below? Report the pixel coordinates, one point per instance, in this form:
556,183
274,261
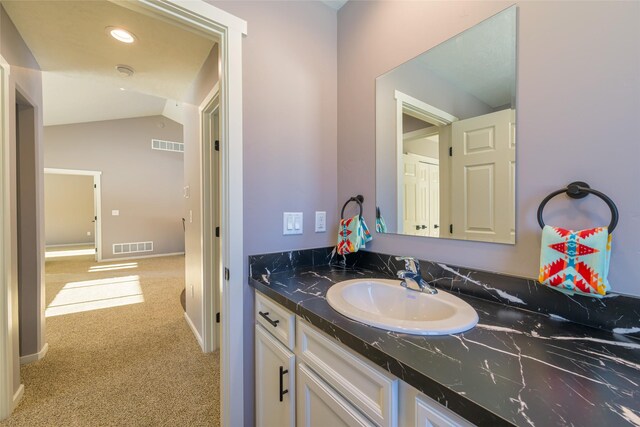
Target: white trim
30,358
141,257
423,111
194,330
210,274
7,398
17,397
413,107
69,244
57,171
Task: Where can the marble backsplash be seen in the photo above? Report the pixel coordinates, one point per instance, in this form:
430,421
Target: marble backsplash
615,313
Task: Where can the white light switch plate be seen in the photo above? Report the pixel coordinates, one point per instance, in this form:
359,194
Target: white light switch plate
292,223
321,221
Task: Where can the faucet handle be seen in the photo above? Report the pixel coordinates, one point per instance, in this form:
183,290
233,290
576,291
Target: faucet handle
409,263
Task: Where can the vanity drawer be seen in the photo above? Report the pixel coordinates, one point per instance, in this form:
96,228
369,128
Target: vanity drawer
370,389
276,319
430,413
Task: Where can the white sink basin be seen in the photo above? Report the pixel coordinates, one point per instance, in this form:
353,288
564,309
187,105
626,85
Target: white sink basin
386,304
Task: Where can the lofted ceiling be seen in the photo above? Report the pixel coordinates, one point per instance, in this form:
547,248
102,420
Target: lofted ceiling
70,42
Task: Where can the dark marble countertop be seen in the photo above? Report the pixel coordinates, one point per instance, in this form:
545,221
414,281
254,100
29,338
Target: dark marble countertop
514,368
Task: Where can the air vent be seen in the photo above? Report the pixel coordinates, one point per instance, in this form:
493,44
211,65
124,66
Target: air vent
132,248
159,144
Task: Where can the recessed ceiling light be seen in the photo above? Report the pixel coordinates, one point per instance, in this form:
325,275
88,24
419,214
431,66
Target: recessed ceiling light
121,34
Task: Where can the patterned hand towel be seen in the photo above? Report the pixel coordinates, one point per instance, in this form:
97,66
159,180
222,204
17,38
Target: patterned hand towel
350,237
381,226
576,261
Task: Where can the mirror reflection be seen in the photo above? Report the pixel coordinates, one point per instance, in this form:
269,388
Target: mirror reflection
445,138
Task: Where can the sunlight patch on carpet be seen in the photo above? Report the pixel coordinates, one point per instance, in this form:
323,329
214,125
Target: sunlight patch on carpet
77,297
69,252
109,267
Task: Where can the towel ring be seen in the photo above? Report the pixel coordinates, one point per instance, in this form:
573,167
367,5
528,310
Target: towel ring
580,190
358,199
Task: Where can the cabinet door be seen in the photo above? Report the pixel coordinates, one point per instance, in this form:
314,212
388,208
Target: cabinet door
275,382
432,414
319,405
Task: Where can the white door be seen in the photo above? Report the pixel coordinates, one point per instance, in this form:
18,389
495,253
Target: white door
275,382
421,196
483,176
319,405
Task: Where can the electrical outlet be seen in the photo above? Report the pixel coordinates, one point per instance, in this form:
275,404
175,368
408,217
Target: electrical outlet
115,212
321,221
88,233
191,291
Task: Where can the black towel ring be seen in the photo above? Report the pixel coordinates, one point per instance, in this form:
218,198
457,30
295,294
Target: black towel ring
358,199
579,190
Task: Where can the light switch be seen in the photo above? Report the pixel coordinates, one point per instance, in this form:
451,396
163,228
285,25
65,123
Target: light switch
292,223
115,212
321,221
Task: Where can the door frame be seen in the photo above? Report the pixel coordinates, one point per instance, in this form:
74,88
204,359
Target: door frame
97,200
211,272
229,31
406,104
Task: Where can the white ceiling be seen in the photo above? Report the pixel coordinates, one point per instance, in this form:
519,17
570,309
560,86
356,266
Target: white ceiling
335,4
481,61
80,83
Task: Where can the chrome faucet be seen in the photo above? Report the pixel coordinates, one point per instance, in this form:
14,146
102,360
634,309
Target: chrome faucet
411,276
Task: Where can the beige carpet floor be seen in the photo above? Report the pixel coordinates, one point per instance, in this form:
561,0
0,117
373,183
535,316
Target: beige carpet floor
130,365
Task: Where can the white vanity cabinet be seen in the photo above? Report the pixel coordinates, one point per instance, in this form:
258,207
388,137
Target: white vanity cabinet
319,405
275,364
306,378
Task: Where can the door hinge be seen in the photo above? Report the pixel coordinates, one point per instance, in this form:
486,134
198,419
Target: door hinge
217,231
450,151
95,186
451,228
95,218
217,317
226,274
96,250
217,145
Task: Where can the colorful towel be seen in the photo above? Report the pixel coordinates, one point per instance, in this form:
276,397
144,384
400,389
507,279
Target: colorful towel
381,226
353,235
576,261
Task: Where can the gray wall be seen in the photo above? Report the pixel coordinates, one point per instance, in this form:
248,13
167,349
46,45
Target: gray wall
145,185
576,60
68,209
25,76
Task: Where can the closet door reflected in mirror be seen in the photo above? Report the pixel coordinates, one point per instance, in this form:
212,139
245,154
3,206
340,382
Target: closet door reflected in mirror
445,137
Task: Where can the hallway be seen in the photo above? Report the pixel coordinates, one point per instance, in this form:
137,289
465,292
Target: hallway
119,353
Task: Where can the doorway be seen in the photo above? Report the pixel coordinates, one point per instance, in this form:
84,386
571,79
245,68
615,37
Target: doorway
229,30
72,213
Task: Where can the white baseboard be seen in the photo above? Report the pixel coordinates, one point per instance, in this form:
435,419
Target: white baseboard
30,358
194,330
17,396
140,257
70,244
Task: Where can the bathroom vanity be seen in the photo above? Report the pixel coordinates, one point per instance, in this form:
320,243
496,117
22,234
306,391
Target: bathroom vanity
315,366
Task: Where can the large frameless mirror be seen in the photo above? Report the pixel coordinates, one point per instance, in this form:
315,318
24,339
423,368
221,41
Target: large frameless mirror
445,138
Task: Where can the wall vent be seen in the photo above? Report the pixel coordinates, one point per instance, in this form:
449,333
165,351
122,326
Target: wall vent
159,144
132,248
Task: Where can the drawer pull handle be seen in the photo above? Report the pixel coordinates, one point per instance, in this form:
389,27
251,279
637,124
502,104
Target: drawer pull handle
282,392
274,323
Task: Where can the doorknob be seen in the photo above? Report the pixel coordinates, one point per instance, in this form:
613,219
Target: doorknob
436,226
424,226
417,227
